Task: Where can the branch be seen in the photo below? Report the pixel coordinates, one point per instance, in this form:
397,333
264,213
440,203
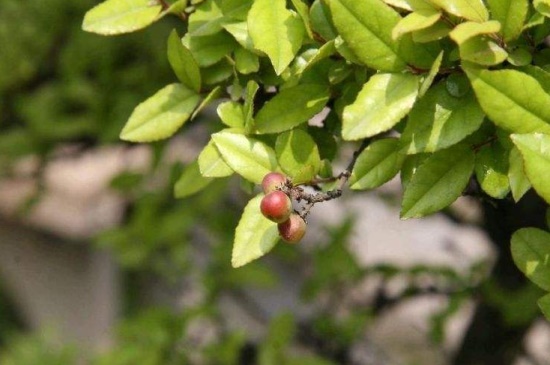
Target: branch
297,192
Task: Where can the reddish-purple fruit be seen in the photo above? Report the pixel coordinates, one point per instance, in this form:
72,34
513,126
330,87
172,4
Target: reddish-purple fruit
272,181
276,206
293,229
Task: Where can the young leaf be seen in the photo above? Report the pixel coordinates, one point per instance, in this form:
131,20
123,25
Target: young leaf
535,150
468,9
120,16
542,6
544,305
325,51
439,120
531,254
438,182
483,51
248,157
434,33
303,11
211,163
207,19
366,26
298,155
377,164
161,115
467,30
239,31
217,73
518,112
492,170
511,14
231,114
208,50
214,94
246,62
248,107
236,9
275,31
383,101
415,21
255,235
291,107
191,181
321,20
429,79
184,65
519,183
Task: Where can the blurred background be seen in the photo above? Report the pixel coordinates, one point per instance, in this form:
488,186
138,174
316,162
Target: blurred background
99,264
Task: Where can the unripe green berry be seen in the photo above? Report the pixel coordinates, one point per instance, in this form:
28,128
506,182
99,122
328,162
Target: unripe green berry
276,206
272,181
293,229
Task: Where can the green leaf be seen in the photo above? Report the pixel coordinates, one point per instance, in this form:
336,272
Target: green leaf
410,166
291,107
483,51
161,115
326,50
511,14
303,11
383,101
467,30
255,235
492,170
531,254
539,74
519,183
544,304
377,164
236,9
231,114
212,95
239,31
275,31
217,73
298,155
207,19
415,21
208,50
120,16
248,107
184,65
520,57
248,157
468,9
429,79
519,112
542,6
438,182
434,33
321,20
535,150
366,26
191,181
439,120
246,62
211,163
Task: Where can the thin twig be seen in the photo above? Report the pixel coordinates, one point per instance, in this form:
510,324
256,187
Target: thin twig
297,192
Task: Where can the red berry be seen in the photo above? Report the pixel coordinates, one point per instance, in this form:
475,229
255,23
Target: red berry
293,229
276,206
272,181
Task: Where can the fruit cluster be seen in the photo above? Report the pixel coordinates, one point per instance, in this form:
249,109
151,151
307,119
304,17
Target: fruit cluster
277,207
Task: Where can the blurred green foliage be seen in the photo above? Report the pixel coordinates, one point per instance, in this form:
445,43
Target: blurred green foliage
60,84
